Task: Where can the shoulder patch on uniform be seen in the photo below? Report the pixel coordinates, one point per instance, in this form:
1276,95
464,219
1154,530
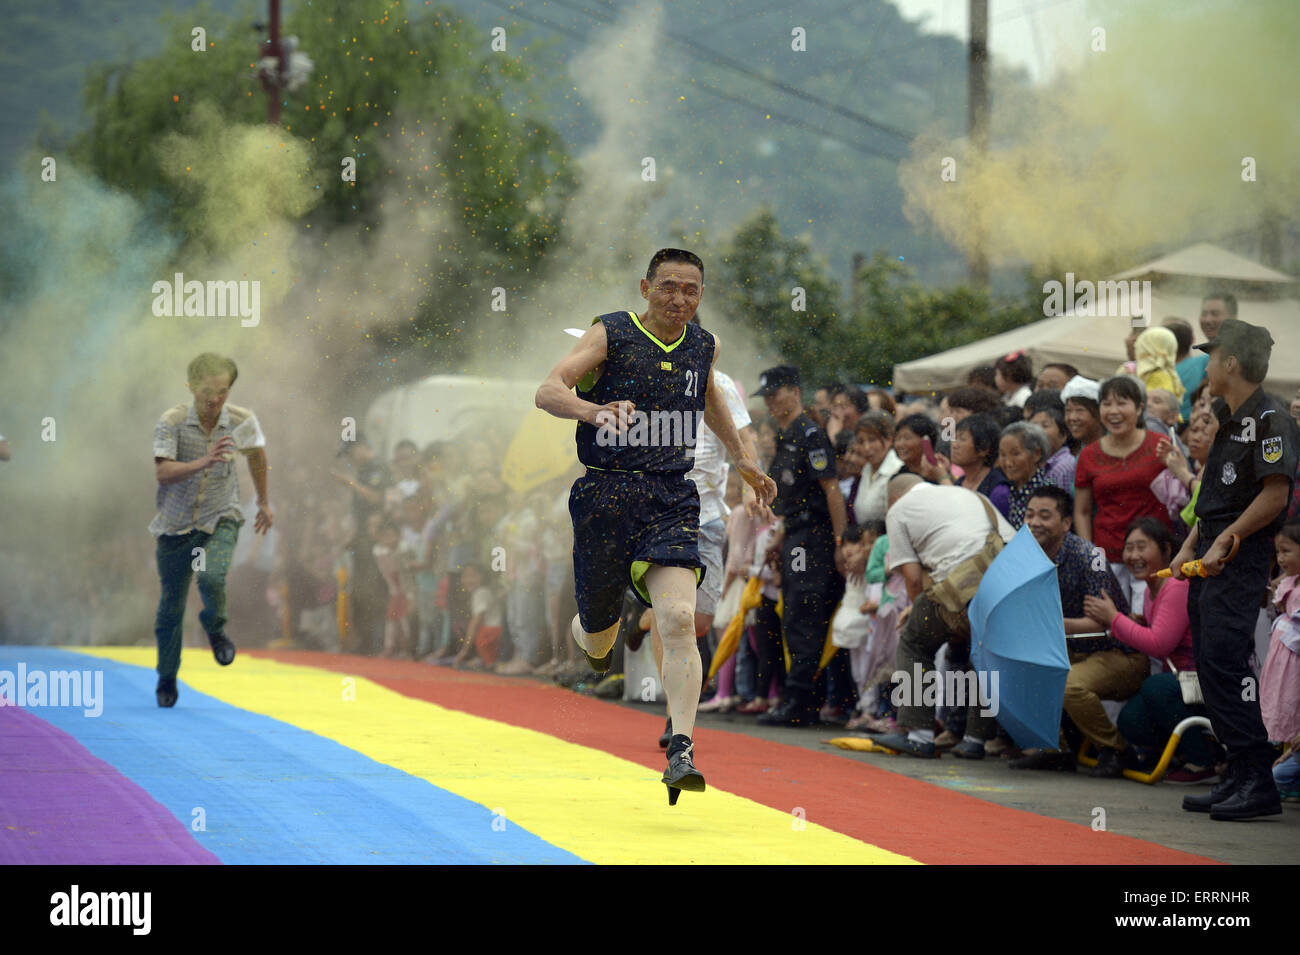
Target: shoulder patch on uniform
818,459
809,432
1272,448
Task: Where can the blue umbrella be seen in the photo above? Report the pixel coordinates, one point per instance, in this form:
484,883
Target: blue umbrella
1018,641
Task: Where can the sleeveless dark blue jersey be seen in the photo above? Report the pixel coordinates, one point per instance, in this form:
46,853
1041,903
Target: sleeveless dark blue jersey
666,382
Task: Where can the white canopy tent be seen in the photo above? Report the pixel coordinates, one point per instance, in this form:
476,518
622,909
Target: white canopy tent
1095,344
1205,261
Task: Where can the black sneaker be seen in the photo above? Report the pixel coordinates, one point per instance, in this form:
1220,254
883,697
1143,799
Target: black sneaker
791,711
682,774
223,651
668,734
166,692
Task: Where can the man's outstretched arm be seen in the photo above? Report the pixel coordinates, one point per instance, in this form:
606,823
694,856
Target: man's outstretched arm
555,396
718,417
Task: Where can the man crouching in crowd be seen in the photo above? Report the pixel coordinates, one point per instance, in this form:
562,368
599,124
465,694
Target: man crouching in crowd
941,539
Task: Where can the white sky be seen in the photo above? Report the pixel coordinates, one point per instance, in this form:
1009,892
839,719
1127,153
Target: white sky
1040,35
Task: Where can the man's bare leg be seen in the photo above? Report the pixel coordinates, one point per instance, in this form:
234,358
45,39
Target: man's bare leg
703,621
672,596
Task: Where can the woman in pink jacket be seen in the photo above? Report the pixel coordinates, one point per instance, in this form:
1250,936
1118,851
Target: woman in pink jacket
1163,631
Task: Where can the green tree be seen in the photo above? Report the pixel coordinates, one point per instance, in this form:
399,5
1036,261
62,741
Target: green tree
432,116
775,286
424,93
895,319
898,320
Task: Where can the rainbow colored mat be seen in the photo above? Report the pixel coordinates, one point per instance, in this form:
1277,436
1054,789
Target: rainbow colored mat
295,757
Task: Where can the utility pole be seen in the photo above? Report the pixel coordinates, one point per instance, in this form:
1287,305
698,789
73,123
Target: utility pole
978,118
855,285
273,47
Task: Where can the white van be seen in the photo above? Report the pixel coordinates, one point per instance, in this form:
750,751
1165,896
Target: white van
447,408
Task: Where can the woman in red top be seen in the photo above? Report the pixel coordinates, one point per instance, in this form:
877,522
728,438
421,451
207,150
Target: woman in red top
1116,472
1163,631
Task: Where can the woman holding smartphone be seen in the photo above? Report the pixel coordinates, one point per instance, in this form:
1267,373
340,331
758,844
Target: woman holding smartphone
909,443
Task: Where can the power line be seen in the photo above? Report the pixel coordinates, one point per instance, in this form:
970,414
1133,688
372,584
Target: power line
720,94
717,59
934,39
798,123
780,6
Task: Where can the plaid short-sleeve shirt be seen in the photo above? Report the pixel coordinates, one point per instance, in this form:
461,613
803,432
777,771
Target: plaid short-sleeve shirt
199,502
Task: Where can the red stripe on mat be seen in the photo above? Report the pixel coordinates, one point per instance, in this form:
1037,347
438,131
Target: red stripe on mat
918,819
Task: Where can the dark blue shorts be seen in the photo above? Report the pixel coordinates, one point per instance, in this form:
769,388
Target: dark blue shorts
624,522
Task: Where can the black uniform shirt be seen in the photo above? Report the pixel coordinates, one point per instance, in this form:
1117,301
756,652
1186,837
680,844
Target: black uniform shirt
1260,440
804,458
666,382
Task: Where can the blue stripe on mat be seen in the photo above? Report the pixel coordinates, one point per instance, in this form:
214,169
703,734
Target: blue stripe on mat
270,792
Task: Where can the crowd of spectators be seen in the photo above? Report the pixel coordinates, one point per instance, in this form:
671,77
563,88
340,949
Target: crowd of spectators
438,560
1105,474
1094,468
428,555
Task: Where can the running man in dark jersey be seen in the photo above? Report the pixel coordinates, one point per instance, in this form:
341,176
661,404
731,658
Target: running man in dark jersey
644,384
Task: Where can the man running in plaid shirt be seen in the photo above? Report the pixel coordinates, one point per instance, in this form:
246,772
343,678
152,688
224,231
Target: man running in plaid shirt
198,515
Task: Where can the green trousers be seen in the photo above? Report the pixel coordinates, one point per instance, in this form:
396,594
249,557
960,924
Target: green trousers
176,561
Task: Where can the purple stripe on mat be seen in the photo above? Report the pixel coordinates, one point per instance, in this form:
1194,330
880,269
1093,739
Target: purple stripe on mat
59,805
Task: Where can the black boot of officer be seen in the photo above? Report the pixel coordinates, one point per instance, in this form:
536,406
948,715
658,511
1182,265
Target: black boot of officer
797,708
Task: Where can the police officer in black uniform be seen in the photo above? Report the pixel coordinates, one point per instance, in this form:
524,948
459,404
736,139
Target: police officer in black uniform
1244,492
812,512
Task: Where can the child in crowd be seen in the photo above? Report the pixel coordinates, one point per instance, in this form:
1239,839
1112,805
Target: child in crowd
886,599
478,650
763,631
519,532
386,551
318,616
854,619
429,567
557,553
1279,683
742,529
412,514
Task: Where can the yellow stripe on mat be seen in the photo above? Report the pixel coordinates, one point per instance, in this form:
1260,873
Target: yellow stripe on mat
595,805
